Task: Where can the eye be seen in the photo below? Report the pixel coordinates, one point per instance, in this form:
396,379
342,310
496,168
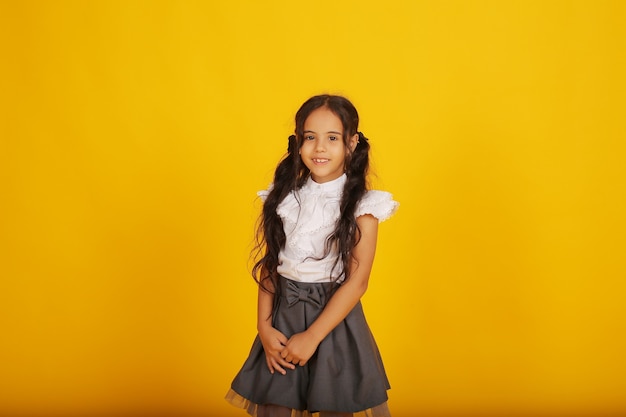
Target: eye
333,138
309,137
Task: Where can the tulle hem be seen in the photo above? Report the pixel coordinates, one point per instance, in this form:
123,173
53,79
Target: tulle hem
237,400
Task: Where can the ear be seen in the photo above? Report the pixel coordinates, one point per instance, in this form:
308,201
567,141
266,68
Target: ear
353,141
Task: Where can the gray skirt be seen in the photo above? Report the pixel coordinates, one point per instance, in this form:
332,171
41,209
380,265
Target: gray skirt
345,374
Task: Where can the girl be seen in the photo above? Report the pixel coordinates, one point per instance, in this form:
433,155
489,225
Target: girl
314,352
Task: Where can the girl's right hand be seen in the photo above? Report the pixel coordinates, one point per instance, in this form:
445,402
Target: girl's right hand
274,342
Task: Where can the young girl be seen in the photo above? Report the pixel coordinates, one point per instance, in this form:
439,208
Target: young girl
314,352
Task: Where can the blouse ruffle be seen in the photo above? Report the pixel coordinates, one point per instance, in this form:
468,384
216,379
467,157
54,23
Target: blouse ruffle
309,215
379,204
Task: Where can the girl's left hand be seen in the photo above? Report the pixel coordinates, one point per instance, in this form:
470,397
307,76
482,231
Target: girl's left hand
299,348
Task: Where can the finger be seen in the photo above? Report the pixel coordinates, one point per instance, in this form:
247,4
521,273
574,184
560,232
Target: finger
269,365
302,363
279,368
285,363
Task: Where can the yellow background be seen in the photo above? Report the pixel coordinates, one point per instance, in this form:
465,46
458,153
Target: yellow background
134,135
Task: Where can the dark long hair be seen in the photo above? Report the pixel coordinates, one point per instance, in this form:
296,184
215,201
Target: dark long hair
291,174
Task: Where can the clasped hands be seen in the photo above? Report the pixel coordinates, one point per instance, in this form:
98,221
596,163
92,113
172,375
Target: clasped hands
281,353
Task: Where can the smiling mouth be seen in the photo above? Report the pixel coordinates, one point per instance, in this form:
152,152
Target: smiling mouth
320,160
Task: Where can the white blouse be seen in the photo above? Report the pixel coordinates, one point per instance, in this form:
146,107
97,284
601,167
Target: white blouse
309,216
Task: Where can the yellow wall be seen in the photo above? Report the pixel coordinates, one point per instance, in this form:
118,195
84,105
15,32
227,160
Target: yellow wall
134,135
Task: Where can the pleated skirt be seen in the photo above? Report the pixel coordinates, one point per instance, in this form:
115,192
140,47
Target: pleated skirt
345,374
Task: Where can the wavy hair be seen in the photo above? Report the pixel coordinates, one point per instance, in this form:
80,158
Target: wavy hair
291,174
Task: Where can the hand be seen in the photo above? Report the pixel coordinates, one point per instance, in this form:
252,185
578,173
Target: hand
274,342
299,348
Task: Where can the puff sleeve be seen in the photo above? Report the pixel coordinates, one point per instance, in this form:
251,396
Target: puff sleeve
379,204
264,193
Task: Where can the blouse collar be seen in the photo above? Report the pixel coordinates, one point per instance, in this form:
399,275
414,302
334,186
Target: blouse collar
325,187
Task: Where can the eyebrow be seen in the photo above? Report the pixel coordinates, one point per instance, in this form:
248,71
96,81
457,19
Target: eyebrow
331,131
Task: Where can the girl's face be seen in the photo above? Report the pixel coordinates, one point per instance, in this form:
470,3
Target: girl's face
323,150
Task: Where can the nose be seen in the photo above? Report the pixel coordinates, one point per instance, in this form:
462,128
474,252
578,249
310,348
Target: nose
319,145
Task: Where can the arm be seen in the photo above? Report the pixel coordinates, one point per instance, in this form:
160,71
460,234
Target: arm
273,341
301,346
